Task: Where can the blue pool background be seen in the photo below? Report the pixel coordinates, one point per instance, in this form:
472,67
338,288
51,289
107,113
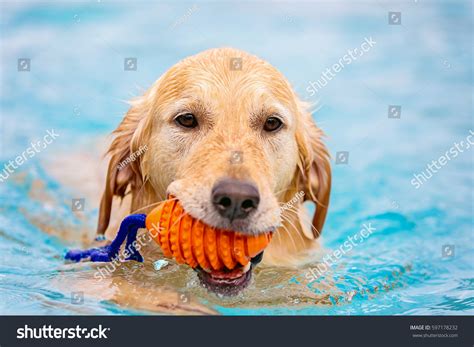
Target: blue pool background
77,86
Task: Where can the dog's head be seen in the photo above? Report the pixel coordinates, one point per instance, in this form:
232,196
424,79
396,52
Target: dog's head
224,133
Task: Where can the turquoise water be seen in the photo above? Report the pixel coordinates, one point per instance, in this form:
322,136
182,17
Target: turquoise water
76,85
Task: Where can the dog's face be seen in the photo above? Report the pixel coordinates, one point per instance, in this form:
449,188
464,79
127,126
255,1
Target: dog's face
230,141
227,141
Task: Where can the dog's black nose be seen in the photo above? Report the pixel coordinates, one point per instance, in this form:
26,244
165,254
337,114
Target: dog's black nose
235,199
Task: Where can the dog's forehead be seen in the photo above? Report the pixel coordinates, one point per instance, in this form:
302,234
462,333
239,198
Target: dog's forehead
213,80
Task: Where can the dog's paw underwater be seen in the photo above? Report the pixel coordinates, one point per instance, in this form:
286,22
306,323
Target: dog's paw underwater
223,258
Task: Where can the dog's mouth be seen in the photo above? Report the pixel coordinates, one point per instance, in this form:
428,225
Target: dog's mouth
228,282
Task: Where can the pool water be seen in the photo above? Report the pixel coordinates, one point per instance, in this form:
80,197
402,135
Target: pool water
419,259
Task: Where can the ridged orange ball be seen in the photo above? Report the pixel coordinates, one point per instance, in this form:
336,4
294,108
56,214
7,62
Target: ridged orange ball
190,241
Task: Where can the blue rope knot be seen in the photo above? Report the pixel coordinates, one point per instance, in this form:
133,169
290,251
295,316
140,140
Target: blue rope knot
128,229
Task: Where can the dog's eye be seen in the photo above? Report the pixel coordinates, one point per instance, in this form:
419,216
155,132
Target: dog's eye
186,120
272,124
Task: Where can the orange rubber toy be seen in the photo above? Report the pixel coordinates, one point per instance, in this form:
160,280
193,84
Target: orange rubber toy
190,241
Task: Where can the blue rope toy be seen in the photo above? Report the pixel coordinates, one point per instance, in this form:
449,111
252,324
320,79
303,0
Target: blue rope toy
128,229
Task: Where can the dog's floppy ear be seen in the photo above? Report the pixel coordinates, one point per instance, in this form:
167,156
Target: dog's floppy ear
314,169
124,166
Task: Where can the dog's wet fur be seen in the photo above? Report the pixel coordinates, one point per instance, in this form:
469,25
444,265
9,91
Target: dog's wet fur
204,122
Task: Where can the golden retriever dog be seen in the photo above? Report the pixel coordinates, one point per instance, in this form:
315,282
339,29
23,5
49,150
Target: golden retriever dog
226,135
